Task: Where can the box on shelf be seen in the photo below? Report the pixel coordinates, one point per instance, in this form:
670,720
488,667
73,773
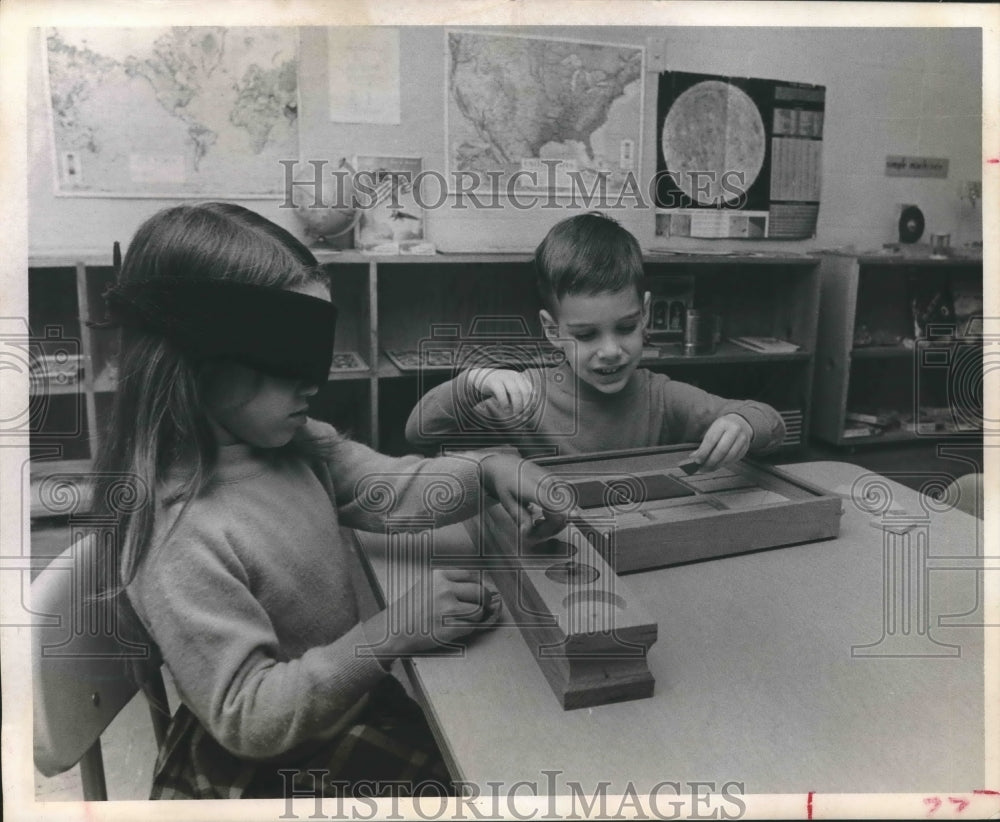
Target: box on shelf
670,299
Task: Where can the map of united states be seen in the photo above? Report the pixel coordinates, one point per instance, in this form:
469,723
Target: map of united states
515,99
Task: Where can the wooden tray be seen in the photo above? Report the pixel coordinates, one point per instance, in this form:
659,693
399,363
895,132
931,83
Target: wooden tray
642,511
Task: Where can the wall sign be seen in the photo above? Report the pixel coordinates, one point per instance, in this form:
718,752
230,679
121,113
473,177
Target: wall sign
898,165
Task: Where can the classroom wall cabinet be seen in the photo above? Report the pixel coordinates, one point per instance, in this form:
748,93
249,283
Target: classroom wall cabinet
405,323
899,352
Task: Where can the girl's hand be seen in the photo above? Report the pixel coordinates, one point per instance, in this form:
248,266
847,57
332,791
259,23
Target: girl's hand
512,391
520,486
455,603
726,440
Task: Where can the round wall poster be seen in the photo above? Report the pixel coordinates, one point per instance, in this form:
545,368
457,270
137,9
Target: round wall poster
713,128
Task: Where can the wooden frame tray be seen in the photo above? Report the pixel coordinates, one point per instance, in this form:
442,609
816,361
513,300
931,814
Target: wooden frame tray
643,511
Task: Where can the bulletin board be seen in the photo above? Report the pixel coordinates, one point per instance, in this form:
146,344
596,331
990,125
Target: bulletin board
737,157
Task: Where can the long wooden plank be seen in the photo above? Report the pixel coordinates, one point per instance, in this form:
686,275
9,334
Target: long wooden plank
587,633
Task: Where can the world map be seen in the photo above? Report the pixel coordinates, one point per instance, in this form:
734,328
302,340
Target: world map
514,103
181,111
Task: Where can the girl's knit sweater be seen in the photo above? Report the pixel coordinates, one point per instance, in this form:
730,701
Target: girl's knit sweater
249,595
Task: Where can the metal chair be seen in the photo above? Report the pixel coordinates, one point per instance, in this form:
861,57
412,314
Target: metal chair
81,669
967,490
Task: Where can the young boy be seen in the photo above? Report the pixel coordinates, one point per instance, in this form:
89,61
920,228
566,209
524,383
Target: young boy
589,273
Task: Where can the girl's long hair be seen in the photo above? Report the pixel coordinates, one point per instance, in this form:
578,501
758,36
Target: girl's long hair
158,421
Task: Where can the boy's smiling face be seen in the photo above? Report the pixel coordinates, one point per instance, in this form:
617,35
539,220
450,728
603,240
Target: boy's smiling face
600,334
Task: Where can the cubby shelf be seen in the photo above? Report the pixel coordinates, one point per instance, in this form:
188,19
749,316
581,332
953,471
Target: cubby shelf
394,303
726,353
920,382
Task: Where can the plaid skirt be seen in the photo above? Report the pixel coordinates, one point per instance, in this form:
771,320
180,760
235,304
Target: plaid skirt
389,743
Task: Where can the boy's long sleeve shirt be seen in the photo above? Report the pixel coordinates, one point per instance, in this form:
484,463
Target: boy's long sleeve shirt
570,417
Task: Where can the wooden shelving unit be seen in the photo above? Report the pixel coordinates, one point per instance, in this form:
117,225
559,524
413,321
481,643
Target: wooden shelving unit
395,303
871,359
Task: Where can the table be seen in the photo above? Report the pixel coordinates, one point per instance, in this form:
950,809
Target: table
782,670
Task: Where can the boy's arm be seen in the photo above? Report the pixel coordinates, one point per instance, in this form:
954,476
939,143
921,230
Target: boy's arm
689,411
478,400
435,416
767,424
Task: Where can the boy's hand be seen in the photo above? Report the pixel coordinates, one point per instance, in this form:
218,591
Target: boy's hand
518,484
726,440
512,391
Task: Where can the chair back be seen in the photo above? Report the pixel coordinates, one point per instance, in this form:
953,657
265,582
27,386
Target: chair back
80,662
967,491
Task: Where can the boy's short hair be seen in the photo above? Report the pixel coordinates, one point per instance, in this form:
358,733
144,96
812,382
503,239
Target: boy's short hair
587,254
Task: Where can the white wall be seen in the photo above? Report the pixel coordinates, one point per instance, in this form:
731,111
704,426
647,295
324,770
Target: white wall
888,91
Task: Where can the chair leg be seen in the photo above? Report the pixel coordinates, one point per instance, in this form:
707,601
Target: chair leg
92,773
159,709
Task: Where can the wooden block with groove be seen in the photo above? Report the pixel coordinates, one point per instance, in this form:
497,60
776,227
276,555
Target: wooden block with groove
585,630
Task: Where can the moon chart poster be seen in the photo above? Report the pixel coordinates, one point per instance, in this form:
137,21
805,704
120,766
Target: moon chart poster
737,157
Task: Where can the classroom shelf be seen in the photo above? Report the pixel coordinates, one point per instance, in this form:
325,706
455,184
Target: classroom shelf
891,437
347,376
903,352
937,363
725,353
394,303
54,390
876,352
78,470
919,257
326,257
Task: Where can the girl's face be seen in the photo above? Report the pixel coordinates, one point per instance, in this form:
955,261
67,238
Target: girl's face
601,335
247,406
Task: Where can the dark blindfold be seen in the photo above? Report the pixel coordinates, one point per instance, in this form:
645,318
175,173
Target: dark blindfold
282,333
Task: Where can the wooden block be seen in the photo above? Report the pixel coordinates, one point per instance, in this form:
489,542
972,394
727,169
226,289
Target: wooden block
689,466
590,494
628,490
745,507
660,486
585,630
749,498
709,484
675,513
